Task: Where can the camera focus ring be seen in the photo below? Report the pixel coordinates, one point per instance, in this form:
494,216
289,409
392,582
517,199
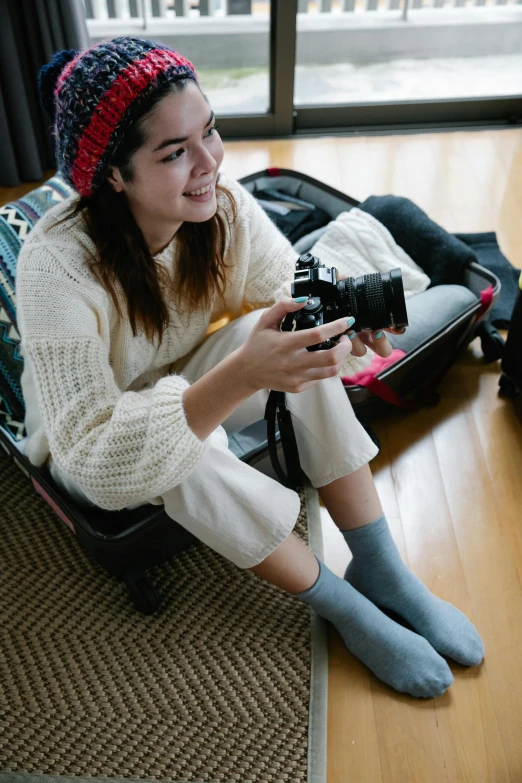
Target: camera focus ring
374,292
374,307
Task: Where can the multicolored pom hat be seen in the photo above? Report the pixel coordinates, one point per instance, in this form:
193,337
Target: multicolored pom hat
93,97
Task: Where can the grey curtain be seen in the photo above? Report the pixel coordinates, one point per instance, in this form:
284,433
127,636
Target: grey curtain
31,31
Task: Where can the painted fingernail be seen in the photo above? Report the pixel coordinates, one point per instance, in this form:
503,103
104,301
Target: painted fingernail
301,299
352,335
350,321
378,335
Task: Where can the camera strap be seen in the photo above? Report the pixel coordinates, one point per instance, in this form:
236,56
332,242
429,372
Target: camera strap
276,407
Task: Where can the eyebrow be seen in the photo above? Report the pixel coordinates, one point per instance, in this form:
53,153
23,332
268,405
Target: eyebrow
168,142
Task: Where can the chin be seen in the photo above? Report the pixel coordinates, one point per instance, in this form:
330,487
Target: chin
202,212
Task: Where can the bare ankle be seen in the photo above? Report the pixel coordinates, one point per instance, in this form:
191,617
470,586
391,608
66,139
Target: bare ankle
292,566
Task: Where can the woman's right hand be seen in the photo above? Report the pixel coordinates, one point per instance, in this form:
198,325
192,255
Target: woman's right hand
272,359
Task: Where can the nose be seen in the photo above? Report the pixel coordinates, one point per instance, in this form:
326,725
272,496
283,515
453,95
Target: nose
205,162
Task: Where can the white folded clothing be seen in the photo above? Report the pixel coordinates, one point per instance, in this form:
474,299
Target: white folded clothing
356,243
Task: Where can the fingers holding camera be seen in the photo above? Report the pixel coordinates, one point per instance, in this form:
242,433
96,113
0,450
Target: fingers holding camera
277,359
398,330
319,334
358,347
329,359
315,366
375,340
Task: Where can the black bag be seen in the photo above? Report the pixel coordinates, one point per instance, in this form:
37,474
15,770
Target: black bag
511,379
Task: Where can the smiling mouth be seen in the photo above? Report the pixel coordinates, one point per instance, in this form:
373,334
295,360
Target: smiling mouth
199,192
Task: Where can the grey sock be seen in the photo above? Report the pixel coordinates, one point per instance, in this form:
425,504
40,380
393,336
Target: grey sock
378,572
397,656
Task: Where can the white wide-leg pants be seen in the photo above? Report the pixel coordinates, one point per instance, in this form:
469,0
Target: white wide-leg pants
234,508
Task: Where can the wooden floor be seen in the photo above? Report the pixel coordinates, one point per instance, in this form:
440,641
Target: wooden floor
450,479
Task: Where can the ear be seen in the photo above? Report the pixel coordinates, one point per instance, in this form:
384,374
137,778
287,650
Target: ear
115,180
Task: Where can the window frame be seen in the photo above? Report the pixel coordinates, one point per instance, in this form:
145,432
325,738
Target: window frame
285,120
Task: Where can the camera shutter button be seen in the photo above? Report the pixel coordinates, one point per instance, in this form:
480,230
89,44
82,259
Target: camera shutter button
313,305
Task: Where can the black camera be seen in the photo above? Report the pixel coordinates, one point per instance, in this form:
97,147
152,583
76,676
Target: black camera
375,300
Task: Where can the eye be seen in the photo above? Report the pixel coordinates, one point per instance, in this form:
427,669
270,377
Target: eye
176,155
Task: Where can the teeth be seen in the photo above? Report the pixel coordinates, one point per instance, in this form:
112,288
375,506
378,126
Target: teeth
198,192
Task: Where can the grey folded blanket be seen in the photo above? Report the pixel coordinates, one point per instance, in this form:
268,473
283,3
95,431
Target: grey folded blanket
490,256
438,253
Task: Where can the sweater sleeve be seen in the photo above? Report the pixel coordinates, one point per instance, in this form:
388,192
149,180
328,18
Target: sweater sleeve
120,448
272,258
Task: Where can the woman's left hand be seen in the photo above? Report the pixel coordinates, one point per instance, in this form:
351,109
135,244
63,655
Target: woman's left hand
376,340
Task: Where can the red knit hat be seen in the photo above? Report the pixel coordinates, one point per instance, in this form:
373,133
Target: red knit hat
94,96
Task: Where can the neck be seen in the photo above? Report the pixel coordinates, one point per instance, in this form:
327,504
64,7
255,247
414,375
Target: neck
157,235
156,247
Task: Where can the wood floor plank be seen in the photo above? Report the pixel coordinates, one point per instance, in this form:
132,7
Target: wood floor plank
489,168
509,225
243,158
506,143
500,430
362,169
320,161
353,744
413,165
409,742
487,748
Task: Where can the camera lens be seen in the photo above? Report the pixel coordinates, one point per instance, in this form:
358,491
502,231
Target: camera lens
376,300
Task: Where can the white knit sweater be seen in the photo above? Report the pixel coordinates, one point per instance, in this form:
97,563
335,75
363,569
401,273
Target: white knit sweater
106,404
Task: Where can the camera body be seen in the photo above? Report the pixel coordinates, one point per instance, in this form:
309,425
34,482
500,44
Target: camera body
375,300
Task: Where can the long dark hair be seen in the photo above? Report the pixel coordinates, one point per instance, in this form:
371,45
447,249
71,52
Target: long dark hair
123,255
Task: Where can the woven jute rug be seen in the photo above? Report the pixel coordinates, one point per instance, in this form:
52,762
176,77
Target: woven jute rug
226,682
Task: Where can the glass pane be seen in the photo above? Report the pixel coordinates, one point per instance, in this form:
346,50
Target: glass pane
228,41
359,51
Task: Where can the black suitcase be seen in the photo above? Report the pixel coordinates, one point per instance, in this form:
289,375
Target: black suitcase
409,383
511,364
126,543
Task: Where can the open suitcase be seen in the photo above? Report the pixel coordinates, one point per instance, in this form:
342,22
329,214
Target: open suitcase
126,543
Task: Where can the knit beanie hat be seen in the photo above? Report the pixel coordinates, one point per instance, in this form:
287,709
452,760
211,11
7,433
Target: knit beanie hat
92,98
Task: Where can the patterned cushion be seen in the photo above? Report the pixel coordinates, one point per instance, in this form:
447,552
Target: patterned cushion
16,221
